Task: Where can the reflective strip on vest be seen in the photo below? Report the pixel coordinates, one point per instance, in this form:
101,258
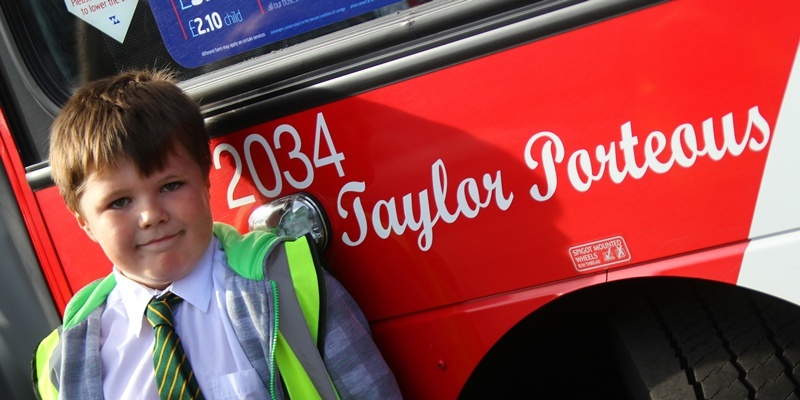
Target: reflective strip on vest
296,353
305,282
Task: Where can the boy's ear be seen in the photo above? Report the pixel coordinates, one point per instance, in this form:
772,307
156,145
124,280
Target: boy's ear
84,225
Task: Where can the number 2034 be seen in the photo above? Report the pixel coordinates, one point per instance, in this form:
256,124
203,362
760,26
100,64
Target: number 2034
285,136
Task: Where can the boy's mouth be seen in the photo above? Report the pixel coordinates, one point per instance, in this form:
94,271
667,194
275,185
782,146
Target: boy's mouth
159,240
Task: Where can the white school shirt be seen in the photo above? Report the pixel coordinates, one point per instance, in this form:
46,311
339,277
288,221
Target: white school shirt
201,320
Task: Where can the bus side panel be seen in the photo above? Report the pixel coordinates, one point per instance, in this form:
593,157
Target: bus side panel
650,130
772,262
34,220
448,343
83,261
433,353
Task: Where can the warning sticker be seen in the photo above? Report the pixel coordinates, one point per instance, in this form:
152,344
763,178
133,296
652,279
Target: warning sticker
600,254
112,17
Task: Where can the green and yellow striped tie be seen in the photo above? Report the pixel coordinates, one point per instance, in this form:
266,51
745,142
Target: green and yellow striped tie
174,376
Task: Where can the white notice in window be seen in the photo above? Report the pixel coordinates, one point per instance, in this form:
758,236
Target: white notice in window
112,17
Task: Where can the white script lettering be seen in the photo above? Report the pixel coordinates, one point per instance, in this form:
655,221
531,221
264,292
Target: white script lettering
684,150
471,196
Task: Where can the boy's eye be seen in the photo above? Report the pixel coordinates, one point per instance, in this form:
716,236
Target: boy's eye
172,186
119,203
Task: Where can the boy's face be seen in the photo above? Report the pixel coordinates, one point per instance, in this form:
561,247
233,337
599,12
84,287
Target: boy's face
154,229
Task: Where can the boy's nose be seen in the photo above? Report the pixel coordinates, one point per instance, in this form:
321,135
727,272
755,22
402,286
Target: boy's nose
152,213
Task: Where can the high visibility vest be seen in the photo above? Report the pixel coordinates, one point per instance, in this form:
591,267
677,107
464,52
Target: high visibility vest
297,283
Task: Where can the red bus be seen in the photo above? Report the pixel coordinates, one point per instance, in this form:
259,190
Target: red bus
555,199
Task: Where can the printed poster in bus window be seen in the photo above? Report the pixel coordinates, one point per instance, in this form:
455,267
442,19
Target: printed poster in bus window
197,32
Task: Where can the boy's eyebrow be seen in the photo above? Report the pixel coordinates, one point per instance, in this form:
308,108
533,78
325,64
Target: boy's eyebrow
113,194
171,176
117,191
112,190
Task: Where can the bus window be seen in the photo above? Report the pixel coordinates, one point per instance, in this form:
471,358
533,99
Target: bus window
66,43
78,48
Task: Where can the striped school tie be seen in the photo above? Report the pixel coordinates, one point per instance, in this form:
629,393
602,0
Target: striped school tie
174,376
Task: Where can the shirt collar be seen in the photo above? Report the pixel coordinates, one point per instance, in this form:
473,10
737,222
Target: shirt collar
194,288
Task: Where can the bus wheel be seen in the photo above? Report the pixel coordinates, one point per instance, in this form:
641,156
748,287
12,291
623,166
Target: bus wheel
708,341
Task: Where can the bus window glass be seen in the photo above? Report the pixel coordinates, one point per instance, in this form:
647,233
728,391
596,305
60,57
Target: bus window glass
68,42
198,32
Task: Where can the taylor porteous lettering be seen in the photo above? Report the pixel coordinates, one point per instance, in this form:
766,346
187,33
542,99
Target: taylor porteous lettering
660,155
661,152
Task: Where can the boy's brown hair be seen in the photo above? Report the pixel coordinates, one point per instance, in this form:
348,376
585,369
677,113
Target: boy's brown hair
139,116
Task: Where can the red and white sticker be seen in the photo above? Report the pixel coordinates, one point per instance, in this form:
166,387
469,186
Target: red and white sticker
112,17
600,253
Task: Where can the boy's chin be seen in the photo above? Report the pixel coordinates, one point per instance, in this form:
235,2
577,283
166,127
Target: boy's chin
154,280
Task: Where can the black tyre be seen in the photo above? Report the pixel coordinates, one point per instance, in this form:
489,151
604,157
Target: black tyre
697,340
652,338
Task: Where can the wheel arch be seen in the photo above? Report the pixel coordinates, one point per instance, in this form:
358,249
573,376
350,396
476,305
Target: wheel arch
570,347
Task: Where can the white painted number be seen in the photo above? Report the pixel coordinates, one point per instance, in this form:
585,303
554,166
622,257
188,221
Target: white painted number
296,153
233,203
248,156
334,157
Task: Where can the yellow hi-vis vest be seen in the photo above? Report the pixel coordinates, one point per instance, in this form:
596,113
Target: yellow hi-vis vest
297,284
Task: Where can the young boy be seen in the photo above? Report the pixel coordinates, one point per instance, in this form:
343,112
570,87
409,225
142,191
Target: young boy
190,307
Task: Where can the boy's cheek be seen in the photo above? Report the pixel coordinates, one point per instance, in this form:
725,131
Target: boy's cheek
84,225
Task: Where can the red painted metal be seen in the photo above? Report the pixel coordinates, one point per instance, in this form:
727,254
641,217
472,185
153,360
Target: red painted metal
29,207
476,119
83,260
434,352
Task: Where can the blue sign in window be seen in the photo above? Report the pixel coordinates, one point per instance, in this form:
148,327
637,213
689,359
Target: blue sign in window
197,32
